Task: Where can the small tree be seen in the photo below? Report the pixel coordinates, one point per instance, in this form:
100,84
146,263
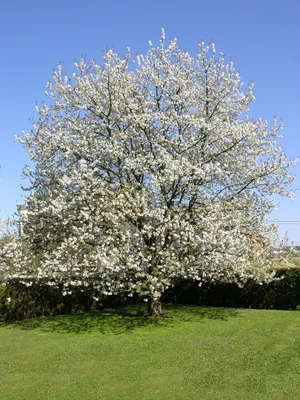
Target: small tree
149,171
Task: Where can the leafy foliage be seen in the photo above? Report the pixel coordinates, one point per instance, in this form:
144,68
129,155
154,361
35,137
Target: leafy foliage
18,302
147,171
283,293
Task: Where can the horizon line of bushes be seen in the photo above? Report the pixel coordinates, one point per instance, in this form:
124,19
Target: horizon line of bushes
19,302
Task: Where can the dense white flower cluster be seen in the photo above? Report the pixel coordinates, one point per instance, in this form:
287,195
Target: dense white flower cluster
148,171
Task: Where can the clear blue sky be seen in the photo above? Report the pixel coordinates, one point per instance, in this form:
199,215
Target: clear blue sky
261,36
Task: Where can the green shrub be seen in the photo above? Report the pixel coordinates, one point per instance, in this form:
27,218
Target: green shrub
19,302
283,294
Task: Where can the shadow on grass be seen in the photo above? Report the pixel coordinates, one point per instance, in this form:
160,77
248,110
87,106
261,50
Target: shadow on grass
117,321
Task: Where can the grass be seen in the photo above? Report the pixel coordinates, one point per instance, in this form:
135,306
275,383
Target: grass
295,261
194,353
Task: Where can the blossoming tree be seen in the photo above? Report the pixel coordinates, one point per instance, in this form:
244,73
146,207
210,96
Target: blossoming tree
147,171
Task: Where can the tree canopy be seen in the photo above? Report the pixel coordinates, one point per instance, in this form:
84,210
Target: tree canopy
149,170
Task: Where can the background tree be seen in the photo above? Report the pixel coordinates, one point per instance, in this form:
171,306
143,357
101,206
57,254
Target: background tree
148,171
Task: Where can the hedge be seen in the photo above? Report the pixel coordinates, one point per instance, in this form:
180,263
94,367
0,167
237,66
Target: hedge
18,301
282,294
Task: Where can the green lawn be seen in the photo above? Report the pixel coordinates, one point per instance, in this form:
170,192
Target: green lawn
195,353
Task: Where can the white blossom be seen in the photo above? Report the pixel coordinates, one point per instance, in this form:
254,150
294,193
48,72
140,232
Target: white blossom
149,174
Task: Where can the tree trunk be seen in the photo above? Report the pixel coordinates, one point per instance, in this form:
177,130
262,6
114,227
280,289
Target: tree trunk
154,307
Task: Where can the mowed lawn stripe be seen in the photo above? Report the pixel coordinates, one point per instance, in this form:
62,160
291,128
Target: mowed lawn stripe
195,352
